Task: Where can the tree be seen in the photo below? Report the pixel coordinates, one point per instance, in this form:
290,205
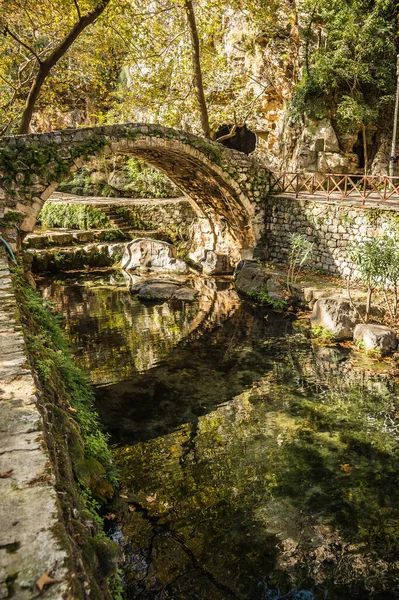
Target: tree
195,54
40,36
157,82
350,65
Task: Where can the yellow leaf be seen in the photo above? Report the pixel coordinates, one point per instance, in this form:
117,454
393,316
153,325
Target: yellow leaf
45,580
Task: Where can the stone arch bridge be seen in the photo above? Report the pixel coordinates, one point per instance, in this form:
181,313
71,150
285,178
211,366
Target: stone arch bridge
226,187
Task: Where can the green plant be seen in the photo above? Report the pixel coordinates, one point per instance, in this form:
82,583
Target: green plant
376,261
300,253
72,216
323,334
263,297
77,444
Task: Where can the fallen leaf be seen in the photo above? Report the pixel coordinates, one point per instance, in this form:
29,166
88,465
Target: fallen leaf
122,496
346,468
45,580
150,498
110,516
6,474
132,508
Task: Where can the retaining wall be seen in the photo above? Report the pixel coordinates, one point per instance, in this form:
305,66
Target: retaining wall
29,509
331,226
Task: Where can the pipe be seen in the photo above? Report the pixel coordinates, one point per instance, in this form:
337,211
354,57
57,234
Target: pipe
9,250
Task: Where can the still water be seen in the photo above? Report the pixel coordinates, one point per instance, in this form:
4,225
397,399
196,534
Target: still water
254,464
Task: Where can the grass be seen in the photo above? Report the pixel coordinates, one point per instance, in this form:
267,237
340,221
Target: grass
323,334
263,297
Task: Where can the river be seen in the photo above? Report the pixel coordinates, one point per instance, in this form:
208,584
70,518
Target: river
255,464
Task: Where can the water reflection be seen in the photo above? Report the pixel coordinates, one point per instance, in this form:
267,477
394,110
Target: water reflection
254,464
114,335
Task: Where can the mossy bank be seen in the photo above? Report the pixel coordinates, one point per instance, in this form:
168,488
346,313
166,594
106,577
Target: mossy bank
84,475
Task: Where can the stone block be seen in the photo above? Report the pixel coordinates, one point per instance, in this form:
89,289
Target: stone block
376,337
339,316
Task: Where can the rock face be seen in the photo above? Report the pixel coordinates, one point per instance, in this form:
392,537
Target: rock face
338,316
163,289
215,264
152,254
249,277
376,337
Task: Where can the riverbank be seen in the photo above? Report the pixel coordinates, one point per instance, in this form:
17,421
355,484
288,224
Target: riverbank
56,469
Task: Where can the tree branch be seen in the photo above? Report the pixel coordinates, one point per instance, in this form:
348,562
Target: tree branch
77,8
6,31
46,65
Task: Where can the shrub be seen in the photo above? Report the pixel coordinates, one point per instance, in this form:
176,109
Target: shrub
72,216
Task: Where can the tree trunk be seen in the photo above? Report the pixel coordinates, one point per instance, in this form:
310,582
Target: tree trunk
366,158
368,304
195,56
46,65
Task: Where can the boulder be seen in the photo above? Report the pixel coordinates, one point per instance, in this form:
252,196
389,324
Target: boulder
339,316
249,277
155,255
276,287
376,337
162,289
214,264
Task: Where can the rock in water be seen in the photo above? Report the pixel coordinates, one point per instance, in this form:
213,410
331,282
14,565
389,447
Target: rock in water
249,277
376,337
152,255
339,316
163,289
215,264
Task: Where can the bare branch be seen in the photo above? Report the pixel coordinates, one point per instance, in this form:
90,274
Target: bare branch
6,31
77,9
228,135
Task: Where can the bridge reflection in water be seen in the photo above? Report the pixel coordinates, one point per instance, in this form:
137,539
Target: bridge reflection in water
254,464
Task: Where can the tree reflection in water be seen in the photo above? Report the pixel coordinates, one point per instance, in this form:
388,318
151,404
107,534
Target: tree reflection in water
255,465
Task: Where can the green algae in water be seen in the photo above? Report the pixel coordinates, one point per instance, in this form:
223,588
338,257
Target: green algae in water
255,464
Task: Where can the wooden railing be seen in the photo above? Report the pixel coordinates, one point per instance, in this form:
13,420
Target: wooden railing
360,187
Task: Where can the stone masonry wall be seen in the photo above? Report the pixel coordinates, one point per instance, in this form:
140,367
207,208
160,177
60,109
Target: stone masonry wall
174,216
332,226
29,510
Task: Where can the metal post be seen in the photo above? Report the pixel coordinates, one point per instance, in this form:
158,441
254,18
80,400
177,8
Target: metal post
395,124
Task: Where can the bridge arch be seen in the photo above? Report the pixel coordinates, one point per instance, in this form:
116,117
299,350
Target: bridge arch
226,187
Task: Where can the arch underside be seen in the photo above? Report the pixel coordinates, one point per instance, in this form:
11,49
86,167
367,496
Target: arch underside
217,180
226,228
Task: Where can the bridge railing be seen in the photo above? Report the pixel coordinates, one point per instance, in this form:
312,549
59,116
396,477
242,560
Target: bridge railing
341,186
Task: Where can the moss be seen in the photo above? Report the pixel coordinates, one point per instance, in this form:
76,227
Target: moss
44,160
211,149
11,218
85,475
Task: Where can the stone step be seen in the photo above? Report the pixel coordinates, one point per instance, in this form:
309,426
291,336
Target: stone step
51,239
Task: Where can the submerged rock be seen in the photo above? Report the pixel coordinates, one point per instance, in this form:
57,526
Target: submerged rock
163,289
339,316
152,254
214,264
376,337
